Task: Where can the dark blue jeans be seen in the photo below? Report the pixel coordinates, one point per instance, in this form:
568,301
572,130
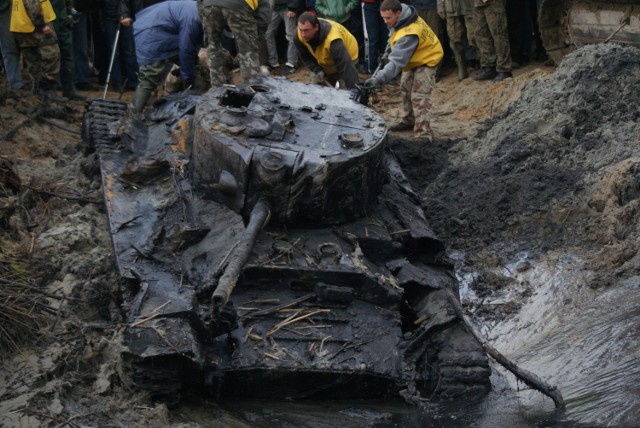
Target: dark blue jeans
124,63
80,50
375,35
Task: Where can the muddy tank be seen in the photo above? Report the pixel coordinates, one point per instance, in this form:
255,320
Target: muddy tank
269,245
568,24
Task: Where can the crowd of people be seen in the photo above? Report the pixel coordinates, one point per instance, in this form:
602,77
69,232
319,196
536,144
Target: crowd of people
50,45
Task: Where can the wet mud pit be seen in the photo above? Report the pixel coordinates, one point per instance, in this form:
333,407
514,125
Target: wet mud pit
538,211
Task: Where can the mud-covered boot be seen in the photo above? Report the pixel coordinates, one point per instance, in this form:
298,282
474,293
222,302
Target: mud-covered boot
487,73
140,99
72,94
47,91
462,68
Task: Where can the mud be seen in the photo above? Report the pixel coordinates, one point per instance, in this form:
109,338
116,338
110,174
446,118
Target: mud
533,183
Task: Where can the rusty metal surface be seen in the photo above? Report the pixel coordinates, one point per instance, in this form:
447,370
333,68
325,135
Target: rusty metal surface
568,24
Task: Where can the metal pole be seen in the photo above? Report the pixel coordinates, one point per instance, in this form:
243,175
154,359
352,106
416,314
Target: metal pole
113,56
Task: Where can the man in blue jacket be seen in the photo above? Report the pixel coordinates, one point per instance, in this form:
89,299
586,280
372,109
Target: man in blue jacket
164,31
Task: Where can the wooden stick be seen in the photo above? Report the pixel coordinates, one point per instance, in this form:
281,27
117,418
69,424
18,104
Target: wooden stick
525,376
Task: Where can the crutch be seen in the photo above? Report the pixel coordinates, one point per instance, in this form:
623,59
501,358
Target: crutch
113,56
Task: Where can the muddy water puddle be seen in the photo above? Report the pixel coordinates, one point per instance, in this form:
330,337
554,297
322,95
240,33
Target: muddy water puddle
584,341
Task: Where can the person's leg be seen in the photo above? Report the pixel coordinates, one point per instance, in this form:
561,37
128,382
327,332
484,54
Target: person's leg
65,44
455,29
407,118
424,80
290,26
213,23
245,28
128,52
372,35
497,24
150,77
483,38
80,50
10,55
270,37
110,30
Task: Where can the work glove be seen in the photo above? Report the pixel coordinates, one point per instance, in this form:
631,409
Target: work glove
317,78
371,84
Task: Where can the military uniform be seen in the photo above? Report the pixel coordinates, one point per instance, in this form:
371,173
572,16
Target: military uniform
40,51
247,20
459,17
492,37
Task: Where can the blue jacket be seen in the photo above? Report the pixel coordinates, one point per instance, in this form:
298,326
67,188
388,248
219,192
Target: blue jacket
168,29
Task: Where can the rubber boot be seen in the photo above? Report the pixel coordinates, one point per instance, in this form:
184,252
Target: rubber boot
462,67
47,91
69,91
140,99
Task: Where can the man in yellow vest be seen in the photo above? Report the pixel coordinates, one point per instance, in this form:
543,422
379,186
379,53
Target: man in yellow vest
327,49
31,23
416,51
248,21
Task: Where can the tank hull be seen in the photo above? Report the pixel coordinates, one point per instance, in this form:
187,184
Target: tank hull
352,309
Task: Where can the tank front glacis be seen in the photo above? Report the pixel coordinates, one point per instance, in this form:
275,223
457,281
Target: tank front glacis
351,309
313,152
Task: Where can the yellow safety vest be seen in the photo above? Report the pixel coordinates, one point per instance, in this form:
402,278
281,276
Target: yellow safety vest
429,51
20,20
323,54
253,4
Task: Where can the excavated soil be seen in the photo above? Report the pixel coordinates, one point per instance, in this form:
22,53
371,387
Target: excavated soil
545,163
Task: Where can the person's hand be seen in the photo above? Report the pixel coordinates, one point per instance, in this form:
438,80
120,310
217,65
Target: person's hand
371,84
46,30
317,78
291,14
126,22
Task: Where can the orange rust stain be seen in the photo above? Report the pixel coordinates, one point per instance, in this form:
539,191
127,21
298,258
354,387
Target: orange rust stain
179,135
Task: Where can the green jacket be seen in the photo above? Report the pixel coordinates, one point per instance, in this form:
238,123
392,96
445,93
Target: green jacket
336,10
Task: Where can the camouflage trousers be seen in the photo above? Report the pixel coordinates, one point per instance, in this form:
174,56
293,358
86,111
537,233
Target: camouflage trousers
245,30
492,37
416,86
41,56
461,33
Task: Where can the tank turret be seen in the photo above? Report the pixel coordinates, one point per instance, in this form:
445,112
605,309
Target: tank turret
317,161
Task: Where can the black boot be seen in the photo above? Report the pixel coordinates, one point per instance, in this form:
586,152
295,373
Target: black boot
47,91
487,73
503,75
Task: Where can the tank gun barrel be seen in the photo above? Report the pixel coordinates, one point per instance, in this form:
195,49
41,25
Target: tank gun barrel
257,220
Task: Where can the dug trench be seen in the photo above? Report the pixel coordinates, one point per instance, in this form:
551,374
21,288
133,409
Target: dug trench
533,184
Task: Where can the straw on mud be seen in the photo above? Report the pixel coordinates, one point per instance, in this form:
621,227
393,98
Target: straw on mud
24,311
293,318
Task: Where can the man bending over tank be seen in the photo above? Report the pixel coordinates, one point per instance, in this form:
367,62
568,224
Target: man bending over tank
327,49
247,20
415,50
164,31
